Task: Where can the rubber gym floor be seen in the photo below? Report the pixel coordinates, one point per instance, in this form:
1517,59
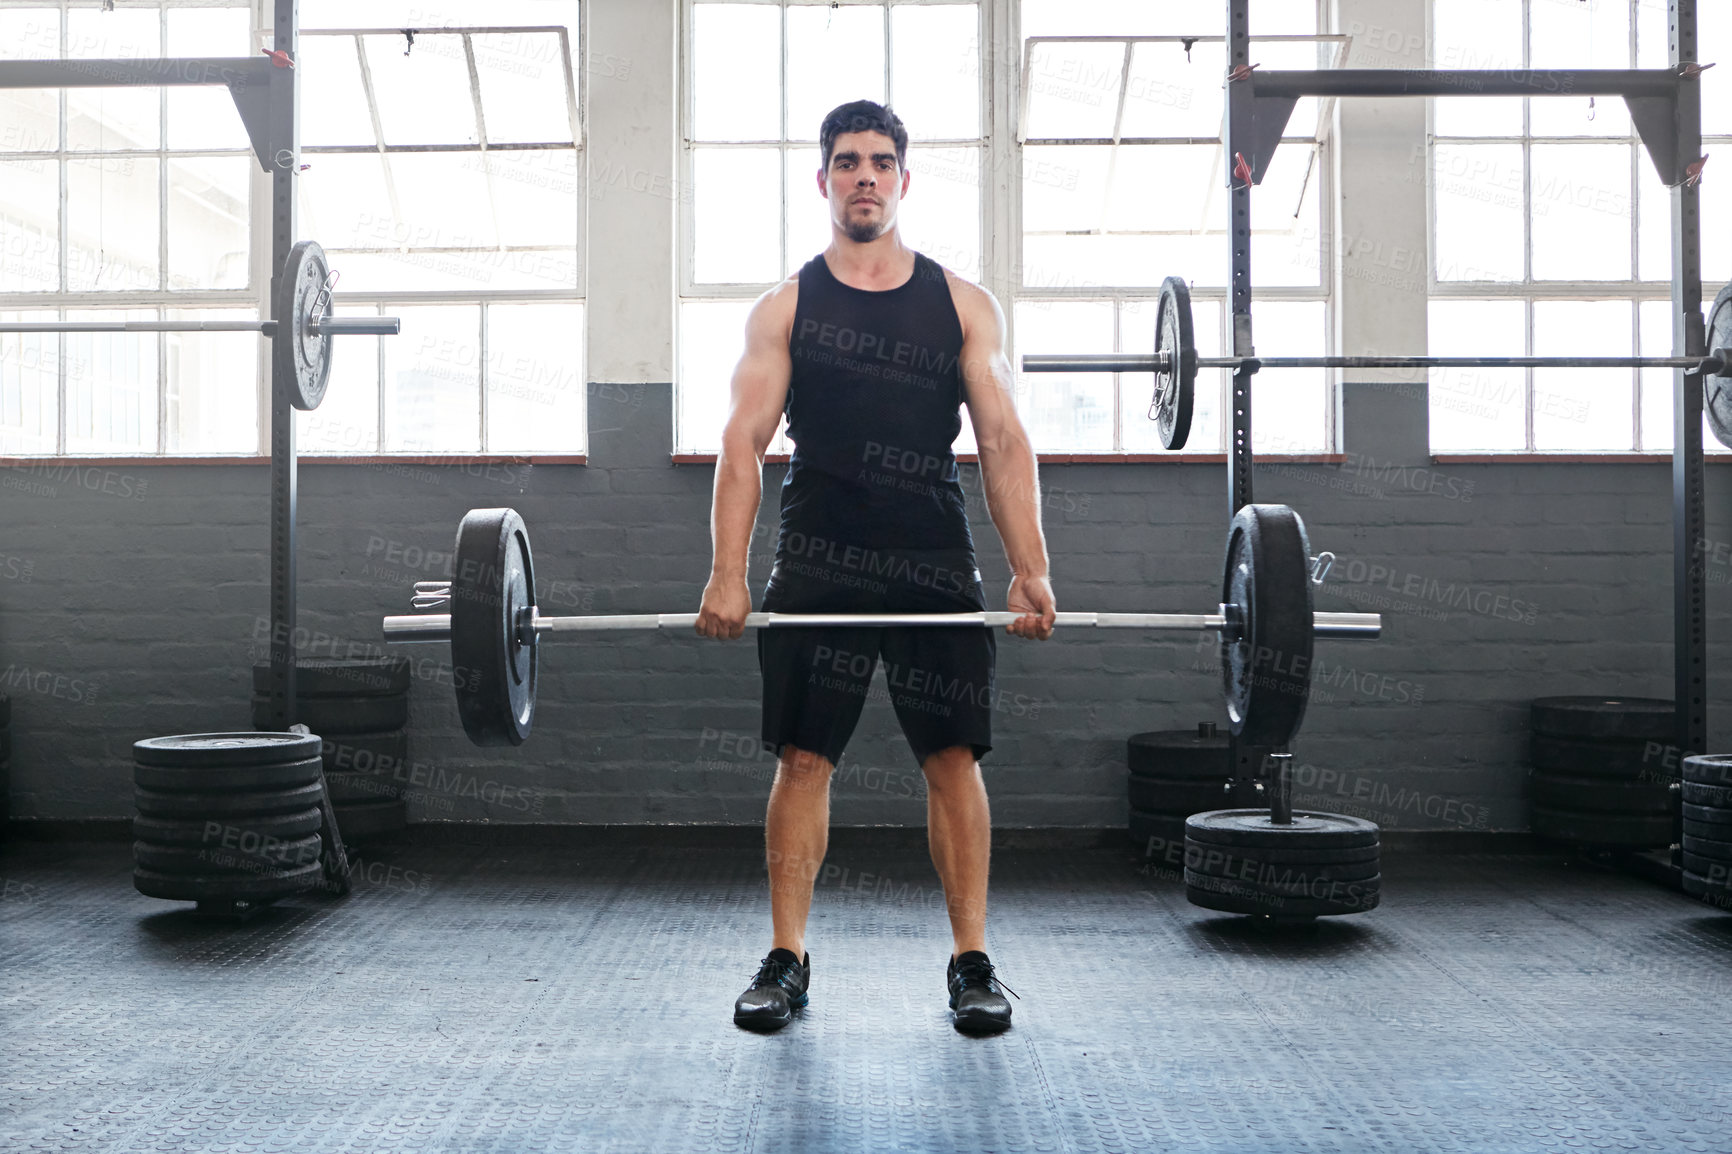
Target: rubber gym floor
531,998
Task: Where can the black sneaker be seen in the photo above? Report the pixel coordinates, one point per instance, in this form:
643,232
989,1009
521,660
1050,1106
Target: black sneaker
977,995
775,993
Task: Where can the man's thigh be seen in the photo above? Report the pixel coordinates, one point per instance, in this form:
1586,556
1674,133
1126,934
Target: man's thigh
942,685
815,684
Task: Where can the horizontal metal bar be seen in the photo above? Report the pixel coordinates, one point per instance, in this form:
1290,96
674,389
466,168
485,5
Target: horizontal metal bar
437,626
336,326
1148,363
357,326
1466,82
165,71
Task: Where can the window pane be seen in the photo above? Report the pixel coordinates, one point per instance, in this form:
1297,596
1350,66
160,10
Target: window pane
208,236
535,385
1652,47
941,215
112,224
433,381
111,386
1285,227
523,92
29,117
1477,190
104,118
205,116
1578,35
346,423
443,200
834,55
333,102
1073,90
1137,321
735,238
935,70
419,14
29,387
1475,409
423,94
712,339
808,210
1581,211
1065,412
1168,95
1117,18
1713,33
536,194
30,226
1656,322
344,202
1654,205
1290,404
1300,56
1476,34
736,72
1716,216
213,401
1583,408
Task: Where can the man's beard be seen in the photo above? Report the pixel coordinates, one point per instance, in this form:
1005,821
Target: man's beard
865,231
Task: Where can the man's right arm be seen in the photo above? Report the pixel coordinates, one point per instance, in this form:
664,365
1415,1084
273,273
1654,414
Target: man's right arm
759,391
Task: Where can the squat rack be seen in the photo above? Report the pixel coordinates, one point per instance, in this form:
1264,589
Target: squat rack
1665,108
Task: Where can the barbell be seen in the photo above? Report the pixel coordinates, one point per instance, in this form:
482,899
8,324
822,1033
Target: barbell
1175,363
301,332
1264,620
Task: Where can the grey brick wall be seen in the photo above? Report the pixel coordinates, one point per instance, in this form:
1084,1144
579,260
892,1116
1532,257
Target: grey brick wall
133,600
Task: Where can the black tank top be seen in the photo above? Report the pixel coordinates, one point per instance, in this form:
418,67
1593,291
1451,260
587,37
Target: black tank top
872,500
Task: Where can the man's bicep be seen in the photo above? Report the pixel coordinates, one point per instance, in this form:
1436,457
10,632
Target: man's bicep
988,379
760,385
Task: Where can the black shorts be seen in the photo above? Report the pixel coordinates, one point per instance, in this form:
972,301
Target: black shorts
939,679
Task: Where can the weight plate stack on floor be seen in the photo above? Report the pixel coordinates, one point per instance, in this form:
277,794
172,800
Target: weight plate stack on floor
1175,773
1239,861
1708,828
358,708
228,820
5,763
1604,770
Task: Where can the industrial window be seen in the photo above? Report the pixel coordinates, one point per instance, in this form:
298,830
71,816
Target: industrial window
1551,231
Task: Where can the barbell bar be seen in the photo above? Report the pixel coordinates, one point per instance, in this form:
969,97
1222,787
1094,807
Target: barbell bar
1264,620
318,326
1175,363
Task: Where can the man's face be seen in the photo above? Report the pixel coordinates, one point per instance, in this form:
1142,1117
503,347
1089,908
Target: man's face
864,185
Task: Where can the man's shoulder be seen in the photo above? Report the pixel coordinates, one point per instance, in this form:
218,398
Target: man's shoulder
973,302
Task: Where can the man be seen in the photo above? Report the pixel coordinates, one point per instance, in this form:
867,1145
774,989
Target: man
871,349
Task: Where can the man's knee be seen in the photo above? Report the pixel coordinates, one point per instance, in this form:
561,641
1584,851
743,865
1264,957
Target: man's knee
949,765
803,767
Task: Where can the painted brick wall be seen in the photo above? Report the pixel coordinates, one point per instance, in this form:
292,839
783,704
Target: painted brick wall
133,600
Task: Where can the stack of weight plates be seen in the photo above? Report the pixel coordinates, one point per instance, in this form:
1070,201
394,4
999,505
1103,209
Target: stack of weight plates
5,762
359,709
228,820
1175,773
1708,828
1240,861
1603,770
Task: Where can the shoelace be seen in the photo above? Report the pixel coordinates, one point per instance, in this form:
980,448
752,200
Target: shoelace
771,971
982,974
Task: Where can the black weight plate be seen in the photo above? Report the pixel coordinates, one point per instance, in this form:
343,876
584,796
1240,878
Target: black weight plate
1709,830
1622,718
493,656
1698,793
5,709
299,299
325,715
1714,891
1186,797
1203,856
353,787
265,857
1252,829
1158,836
230,750
385,753
1707,815
6,744
1599,757
221,779
1290,883
1174,753
1266,669
241,803
1716,871
1239,898
219,887
1175,381
1220,862
1599,794
364,819
1708,769
1720,849
233,830
1602,828
1717,389
328,677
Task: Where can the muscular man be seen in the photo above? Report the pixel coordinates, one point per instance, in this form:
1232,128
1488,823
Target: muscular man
871,349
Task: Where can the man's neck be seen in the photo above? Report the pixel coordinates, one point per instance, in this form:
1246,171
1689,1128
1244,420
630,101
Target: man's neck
878,264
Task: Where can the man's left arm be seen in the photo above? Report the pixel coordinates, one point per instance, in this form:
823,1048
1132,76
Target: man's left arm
1008,474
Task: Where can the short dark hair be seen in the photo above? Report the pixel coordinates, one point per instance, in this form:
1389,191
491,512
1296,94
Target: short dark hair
863,116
